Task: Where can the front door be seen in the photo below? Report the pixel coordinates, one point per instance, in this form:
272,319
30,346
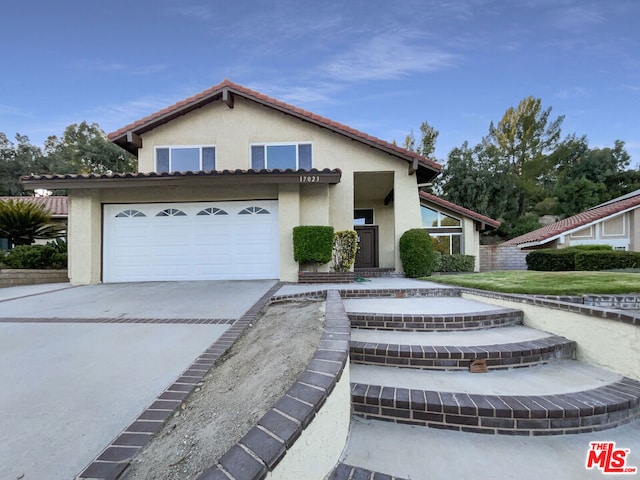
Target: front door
367,256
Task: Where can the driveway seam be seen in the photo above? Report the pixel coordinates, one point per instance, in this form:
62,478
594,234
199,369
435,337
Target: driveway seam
36,294
191,321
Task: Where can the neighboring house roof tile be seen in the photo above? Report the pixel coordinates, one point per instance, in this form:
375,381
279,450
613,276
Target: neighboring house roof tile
57,205
458,209
599,212
215,93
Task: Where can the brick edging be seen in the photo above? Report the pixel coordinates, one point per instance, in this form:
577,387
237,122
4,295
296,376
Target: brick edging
587,411
190,321
115,458
439,322
608,314
498,356
349,472
262,448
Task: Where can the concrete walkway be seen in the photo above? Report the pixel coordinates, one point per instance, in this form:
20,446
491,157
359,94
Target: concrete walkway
372,284
419,453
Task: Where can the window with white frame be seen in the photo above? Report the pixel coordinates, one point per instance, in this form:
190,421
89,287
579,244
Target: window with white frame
445,231
281,156
185,158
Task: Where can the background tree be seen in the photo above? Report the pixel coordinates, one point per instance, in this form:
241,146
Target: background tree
22,222
427,144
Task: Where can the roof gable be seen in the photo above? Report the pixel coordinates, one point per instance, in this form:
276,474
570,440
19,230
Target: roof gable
128,136
460,210
578,221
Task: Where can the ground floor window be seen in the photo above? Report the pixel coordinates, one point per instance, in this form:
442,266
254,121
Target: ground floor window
363,216
448,244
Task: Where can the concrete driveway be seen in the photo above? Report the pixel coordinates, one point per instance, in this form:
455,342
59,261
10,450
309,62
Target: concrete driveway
79,364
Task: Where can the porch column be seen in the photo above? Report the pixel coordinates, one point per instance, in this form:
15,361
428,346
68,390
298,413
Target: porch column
85,237
289,217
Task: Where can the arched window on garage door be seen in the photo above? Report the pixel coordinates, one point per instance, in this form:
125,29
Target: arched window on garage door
171,212
254,211
130,213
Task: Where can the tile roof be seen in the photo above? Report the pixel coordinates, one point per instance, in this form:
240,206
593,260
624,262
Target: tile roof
458,209
216,92
57,205
79,180
597,213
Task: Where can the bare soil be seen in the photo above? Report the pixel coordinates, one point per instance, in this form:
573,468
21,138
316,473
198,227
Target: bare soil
258,369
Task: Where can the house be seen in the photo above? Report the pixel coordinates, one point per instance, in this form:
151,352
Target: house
225,175
615,223
56,205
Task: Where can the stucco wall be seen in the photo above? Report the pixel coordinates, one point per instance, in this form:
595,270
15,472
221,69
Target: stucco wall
609,343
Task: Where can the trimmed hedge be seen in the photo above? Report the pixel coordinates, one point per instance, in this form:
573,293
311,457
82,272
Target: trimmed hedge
312,243
36,256
454,263
416,253
600,260
552,260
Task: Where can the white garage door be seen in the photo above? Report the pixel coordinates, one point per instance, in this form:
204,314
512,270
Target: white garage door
191,241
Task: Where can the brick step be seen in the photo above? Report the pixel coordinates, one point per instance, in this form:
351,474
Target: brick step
374,272
411,322
606,401
459,357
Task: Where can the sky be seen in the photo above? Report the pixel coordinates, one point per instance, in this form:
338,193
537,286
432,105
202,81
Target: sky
381,66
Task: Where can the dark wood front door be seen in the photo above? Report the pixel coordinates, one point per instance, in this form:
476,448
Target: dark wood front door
367,256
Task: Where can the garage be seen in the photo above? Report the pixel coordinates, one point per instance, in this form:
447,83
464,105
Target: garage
190,241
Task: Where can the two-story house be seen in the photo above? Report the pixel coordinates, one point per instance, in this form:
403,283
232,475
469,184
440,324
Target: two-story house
225,175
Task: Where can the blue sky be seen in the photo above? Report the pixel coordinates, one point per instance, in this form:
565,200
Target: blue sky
379,66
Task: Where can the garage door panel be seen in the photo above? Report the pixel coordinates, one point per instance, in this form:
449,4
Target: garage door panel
191,246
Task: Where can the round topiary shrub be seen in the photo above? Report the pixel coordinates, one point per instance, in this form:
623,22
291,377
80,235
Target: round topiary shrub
416,253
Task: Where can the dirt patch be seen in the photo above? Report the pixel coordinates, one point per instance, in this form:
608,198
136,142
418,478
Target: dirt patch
233,396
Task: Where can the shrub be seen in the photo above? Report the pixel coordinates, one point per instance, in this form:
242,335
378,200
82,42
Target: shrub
551,260
312,244
345,247
603,260
592,247
560,260
416,253
36,256
456,263
22,222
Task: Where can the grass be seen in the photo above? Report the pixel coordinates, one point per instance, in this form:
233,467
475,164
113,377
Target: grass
546,283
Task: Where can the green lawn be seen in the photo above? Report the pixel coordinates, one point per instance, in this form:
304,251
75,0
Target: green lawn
546,283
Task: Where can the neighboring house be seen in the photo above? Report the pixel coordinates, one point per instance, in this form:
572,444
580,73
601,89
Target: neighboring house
615,223
57,206
225,175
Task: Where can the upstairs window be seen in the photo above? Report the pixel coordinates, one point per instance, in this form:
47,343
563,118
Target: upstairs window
182,159
434,219
281,156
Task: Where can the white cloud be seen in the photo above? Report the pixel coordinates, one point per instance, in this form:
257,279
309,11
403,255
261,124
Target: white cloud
574,92
388,56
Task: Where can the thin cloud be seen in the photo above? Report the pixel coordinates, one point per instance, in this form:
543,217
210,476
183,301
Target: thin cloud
387,57
122,68
13,111
578,17
197,12
574,92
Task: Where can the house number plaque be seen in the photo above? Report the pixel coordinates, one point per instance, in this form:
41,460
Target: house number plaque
309,178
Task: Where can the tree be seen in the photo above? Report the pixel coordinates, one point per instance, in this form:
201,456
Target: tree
427,144
22,222
85,148
16,159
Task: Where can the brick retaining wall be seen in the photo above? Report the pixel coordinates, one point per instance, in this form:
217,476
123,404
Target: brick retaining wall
14,277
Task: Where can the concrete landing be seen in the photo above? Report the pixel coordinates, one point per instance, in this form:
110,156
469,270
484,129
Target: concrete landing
370,284
417,306
419,453
562,376
493,336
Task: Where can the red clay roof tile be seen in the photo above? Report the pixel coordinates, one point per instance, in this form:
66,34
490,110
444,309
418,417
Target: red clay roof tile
213,92
594,214
57,205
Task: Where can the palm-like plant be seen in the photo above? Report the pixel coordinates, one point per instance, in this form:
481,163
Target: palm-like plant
22,222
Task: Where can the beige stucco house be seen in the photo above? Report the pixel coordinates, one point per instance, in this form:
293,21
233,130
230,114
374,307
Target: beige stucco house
225,175
615,223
